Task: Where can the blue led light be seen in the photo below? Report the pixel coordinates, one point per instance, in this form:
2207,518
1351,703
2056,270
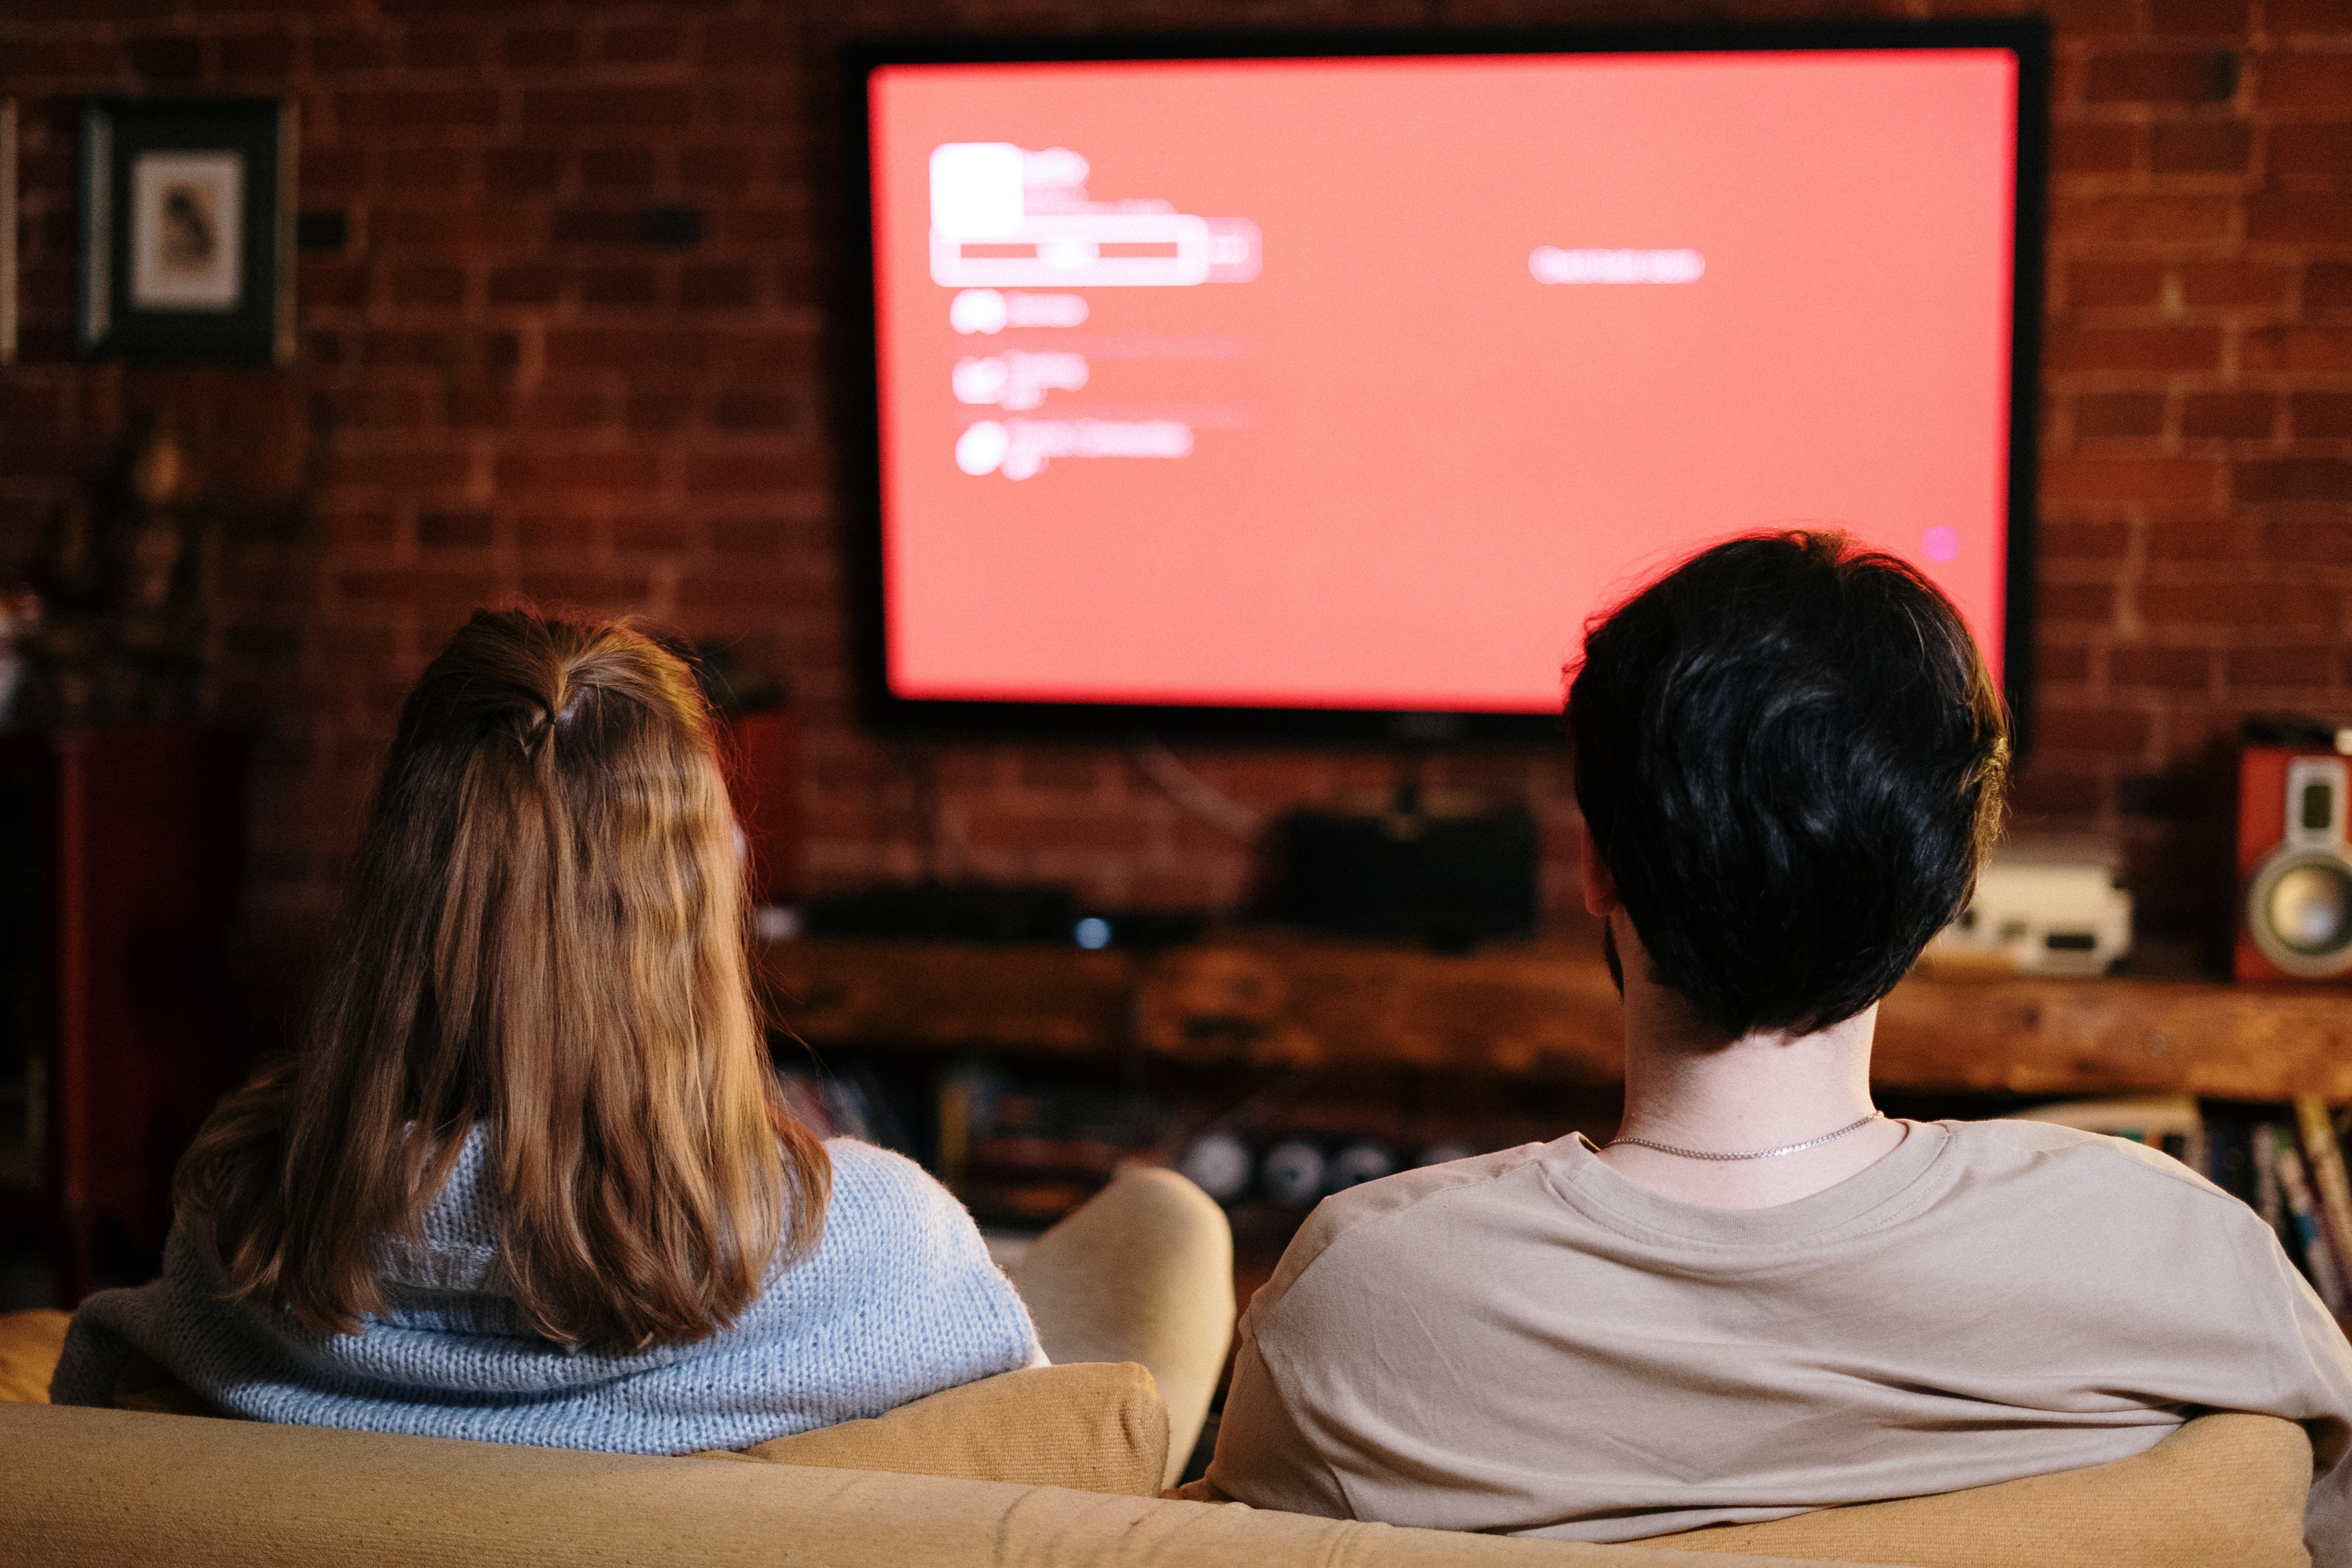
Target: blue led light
1091,932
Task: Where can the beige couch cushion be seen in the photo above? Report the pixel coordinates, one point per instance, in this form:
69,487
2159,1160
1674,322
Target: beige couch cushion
2224,1491
1096,1426
31,1343
87,1488
1093,1426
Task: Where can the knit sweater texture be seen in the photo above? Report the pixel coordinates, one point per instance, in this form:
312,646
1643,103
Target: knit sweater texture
899,1299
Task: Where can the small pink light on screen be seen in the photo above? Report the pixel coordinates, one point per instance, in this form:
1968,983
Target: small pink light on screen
1941,543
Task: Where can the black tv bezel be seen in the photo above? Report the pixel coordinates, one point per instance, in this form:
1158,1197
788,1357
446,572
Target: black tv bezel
858,426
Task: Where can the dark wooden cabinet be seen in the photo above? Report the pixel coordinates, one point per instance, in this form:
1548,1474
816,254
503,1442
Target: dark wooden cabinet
121,857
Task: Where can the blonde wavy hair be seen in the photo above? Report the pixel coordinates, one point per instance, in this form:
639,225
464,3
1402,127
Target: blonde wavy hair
544,937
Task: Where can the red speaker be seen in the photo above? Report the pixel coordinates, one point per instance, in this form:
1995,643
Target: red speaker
2295,872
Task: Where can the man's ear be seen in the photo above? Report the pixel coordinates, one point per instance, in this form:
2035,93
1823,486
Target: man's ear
1600,898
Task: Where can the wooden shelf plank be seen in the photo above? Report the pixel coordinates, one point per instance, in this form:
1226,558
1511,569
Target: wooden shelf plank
1543,1009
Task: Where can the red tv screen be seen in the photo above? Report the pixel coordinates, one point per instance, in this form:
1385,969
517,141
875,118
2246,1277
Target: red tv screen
1357,383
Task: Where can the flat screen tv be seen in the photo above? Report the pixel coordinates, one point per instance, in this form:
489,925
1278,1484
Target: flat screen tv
1319,387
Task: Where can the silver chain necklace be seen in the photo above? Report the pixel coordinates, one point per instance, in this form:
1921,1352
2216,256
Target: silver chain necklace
1753,1154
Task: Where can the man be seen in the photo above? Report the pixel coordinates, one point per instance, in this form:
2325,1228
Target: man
1764,1298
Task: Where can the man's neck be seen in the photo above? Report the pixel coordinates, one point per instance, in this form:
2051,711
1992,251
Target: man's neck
1687,1087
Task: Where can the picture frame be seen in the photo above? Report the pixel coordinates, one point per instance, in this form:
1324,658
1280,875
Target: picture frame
187,237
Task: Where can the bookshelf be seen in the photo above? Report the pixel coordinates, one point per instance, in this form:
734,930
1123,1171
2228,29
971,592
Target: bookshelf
1543,1009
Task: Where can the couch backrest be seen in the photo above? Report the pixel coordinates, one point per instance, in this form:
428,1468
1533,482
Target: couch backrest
85,1487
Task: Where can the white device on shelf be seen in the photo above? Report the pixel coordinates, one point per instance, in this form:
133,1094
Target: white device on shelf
2045,906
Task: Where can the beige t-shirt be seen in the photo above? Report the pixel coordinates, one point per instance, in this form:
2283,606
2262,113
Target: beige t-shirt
1529,1343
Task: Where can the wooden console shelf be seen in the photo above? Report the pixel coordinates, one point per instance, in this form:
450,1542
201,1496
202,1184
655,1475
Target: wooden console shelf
1543,1009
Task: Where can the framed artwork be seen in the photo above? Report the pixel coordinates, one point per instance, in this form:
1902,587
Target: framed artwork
187,240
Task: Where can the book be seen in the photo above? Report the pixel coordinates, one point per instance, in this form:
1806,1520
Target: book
2323,1159
2318,1256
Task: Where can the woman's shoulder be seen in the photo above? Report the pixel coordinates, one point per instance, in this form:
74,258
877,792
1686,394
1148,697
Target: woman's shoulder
876,1190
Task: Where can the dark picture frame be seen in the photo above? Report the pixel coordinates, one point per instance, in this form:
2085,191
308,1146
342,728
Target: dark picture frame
187,231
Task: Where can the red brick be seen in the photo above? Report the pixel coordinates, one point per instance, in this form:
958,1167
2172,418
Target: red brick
646,43
754,470
2161,75
408,470
2202,147
652,409
444,48
717,287
2094,284
2239,604
2305,81
747,42
2179,669
436,108
333,52
361,528
2095,149
2092,601
640,531
2197,18
2301,666
641,107
2299,217
619,286
542,49
446,169
997,827
2113,730
332,171
2137,219
720,168
2245,413
2041,792
512,170
2108,414
412,586
443,286
744,410
329,281
624,168
2130,479
557,588
2324,150
2317,414
2194,539
250,54
2327,285
2285,17
2134,348
172,62
529,285
2327,542
2068,663
2292,478
380,407
2232,283
561,469
628,348
443,529
2320,349
31,59
2066,540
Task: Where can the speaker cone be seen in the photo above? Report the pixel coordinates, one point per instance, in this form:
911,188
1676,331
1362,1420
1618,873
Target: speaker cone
2299,913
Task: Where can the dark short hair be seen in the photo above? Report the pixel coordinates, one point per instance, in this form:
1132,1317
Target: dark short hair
1790,756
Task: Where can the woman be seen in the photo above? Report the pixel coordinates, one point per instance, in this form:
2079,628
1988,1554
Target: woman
530,1181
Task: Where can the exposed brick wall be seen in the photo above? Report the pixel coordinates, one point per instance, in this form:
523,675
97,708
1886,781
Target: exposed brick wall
499,390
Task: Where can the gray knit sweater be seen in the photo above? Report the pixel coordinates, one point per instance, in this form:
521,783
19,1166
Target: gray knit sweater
897,1302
